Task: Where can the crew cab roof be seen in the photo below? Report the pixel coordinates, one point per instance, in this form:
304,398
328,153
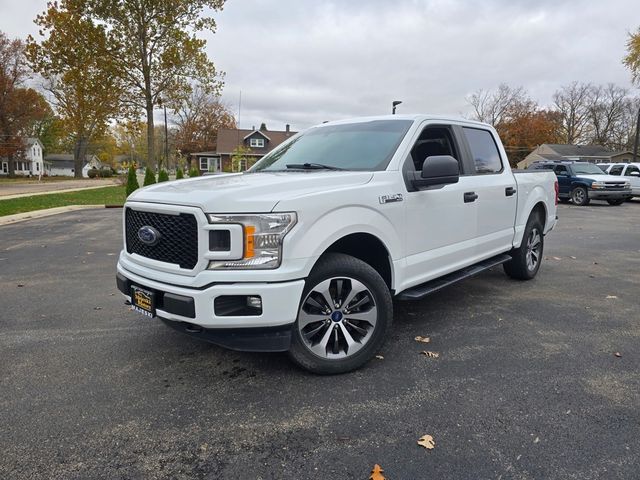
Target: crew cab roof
412,117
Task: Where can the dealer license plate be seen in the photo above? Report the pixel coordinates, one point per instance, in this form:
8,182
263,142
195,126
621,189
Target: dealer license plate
143,301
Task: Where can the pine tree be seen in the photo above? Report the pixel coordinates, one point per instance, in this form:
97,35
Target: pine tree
193,172
163,176
179,174
149,177
132,181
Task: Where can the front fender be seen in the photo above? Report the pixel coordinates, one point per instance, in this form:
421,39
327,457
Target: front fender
314,238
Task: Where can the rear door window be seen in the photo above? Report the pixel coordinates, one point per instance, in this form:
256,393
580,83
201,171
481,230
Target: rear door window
561,170
632,168
616,170
484,150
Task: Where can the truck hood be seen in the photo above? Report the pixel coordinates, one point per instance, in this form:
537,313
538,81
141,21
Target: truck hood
602,178
246,192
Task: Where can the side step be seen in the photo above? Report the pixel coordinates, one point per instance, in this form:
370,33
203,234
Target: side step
420,291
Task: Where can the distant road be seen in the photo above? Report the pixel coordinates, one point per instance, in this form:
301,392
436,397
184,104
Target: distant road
13,189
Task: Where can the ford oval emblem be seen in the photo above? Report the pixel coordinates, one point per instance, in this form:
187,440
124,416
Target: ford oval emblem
149,235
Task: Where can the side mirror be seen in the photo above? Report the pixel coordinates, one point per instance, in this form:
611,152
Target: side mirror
438,170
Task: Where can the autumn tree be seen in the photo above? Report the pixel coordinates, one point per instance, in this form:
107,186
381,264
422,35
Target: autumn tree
20,108
525,126
490,106
632,61
572,103
198,117
74,58
156,50
607,107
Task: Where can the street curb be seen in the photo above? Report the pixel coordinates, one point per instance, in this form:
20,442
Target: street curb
21,217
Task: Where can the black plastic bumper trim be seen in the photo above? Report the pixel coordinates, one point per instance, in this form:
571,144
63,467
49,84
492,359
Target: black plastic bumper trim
264,339
168,302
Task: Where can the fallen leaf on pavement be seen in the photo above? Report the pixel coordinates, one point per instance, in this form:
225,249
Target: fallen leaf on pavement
427,442
429,354
612,296
536,440
376,473
422,339
21,285
618,354
572,257
556,258
379,357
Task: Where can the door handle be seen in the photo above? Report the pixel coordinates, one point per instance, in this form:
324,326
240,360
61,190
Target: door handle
470,197
509,191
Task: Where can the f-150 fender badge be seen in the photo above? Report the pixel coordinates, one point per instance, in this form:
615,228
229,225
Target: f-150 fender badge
396,197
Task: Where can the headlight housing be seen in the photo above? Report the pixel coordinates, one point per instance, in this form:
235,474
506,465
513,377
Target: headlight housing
597,185
263,235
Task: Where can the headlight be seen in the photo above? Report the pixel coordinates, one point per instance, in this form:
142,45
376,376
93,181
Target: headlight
263,235
597,185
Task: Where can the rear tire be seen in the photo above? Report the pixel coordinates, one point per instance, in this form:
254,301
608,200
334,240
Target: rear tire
526,259
616,202
580,196
344,316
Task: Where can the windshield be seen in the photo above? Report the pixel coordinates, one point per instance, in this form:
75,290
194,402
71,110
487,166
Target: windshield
586,168
352,146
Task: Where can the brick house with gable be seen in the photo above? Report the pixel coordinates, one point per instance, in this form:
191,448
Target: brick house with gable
257,142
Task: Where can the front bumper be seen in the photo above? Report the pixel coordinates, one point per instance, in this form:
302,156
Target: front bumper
609,195
195,306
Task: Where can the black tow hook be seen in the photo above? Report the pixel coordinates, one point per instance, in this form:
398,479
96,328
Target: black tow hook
191,328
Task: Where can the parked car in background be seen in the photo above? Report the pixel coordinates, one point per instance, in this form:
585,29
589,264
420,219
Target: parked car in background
630,171
582,182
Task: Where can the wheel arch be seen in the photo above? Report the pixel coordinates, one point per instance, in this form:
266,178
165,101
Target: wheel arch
368,248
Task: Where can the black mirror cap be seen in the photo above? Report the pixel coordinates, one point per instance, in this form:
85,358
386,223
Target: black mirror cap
437,170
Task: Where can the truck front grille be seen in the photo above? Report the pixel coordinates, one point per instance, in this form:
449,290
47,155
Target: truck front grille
177,242
614,185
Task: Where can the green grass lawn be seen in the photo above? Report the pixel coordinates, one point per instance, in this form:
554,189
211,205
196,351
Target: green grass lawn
19,179
97,196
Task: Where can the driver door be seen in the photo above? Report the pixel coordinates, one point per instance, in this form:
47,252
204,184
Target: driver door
564,180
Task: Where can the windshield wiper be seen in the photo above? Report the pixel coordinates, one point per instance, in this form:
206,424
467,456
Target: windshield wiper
312,166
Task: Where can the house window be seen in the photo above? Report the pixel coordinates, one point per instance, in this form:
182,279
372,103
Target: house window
257,142
204,164
5,167
37,167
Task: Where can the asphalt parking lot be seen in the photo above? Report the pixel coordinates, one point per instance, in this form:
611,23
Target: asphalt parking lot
527,385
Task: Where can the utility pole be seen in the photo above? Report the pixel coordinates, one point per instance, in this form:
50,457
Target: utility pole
166,140
635,144
394,104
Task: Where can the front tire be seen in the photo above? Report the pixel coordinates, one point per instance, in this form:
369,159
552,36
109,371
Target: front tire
526,259
343,318
580,196
616,202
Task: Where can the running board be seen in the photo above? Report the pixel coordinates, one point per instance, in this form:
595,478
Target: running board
420,291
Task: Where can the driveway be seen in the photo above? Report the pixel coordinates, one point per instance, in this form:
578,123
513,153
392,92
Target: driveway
527,385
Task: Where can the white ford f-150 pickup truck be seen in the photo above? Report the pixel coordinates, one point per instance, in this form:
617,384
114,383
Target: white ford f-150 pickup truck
305,251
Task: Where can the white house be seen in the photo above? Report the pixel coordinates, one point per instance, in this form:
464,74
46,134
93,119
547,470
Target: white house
30,163
62,165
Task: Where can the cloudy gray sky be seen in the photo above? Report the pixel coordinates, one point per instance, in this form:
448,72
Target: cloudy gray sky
306,61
